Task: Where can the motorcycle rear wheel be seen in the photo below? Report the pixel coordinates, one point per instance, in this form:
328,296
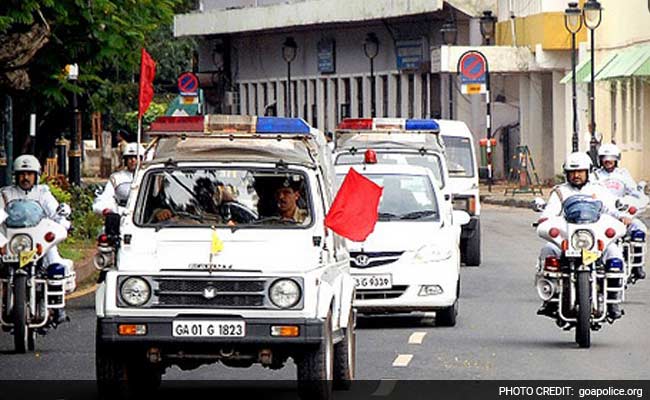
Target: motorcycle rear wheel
583,327
20,313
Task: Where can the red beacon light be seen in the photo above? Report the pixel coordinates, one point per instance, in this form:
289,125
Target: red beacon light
370,157
632,210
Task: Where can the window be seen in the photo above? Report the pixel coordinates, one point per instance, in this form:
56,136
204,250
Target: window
460,160
359,83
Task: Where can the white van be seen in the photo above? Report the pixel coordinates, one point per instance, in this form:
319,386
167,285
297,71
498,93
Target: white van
411,261
463,182
222,256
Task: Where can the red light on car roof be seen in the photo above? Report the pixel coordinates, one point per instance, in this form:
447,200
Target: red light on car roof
179,124
356,124
370,157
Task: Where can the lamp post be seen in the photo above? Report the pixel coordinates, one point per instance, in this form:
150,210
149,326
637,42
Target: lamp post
74,155
449,36
371,49
592,15
289,49
573,24
487,24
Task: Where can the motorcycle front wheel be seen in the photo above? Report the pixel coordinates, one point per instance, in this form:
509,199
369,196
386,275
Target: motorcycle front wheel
583,326
20,312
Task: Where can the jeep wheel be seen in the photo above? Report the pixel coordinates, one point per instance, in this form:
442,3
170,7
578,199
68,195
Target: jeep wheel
471,248
316,368
345,357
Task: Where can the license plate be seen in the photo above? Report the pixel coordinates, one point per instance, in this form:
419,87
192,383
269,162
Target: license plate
373,282
209,329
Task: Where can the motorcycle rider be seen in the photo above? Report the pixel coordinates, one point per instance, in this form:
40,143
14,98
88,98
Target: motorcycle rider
27,170
620,183
577,167
116,191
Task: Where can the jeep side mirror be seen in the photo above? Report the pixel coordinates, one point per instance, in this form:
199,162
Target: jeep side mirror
112,224
538,204
460,217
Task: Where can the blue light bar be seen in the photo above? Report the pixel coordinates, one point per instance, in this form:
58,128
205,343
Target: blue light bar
281,125
422,125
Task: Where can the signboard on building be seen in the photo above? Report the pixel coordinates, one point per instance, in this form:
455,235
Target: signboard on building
472,67
409,53
326,56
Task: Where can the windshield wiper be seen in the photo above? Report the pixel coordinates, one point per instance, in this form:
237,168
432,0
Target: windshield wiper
418,214
384,215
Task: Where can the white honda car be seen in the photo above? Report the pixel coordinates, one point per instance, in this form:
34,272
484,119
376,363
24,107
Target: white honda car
411,261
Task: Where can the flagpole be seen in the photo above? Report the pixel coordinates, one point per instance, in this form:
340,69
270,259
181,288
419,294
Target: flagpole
137,165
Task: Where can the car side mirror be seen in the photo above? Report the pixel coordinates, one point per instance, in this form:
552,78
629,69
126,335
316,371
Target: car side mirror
460,217
538,204
112,224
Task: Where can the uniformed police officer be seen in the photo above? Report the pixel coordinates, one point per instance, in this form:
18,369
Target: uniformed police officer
116,192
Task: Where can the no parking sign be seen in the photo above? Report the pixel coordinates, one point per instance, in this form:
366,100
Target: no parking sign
188,84
472,67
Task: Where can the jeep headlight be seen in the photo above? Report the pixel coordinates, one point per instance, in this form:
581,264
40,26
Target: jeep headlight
135,291
430,253
20,243
582,239
285,293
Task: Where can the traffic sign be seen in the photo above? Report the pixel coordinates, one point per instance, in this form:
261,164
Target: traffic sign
188,84
472,67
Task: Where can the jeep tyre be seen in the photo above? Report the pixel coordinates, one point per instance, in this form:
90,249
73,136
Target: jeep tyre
345,357
316,368
471,247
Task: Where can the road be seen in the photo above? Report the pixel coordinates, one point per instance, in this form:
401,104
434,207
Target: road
498,335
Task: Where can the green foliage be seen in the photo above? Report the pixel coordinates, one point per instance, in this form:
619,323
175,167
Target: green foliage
86,225
155,110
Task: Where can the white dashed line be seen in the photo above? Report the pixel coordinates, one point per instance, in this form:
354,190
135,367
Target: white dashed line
417,337
385,388
402,360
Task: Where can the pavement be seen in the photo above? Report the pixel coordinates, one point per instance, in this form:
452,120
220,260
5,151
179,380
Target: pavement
496,194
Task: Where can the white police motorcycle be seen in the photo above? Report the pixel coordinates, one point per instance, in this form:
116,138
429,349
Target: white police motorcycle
29,292
634,242
576,285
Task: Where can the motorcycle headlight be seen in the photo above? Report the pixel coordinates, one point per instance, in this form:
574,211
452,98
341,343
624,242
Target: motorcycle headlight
582,239
20,243
431,253
135,291
285,293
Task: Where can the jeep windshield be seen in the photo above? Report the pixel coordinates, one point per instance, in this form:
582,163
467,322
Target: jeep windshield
459,156
429,160
233,197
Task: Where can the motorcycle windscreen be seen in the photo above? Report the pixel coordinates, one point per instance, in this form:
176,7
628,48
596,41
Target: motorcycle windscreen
582,209
23,213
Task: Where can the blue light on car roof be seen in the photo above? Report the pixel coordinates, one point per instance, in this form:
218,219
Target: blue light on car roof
422,125
281,125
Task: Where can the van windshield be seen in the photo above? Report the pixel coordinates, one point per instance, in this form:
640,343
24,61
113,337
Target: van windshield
430,161
405,197
460,160
224,197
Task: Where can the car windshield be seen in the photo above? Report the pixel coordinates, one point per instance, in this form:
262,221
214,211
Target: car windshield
405,197
23,213
582,210
458,151
430,161
235,197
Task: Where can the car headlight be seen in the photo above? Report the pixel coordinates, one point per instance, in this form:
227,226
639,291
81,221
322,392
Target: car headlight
582,239
285,293
135,291
431,253
20,243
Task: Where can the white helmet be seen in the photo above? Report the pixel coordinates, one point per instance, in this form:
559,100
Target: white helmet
133,150
27,163
609,151
577,161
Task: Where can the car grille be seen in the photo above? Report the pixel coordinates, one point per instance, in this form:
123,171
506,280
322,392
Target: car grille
373,259
173,292
392,293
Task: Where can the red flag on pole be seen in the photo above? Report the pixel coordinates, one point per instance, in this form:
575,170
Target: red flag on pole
147,73
353,214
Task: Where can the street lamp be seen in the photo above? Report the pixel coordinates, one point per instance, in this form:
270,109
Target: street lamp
573,23
449,36
74,155
487,24
592,15
289,49
371,49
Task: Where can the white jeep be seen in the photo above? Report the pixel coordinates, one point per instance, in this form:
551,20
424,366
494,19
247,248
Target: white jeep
222,255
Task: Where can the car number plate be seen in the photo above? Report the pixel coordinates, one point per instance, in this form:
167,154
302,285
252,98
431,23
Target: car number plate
209,329
382,281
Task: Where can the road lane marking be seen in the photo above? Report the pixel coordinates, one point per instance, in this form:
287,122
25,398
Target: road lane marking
417,337
385,388
402,360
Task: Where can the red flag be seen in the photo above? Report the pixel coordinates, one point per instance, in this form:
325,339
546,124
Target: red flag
147,72
354,211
